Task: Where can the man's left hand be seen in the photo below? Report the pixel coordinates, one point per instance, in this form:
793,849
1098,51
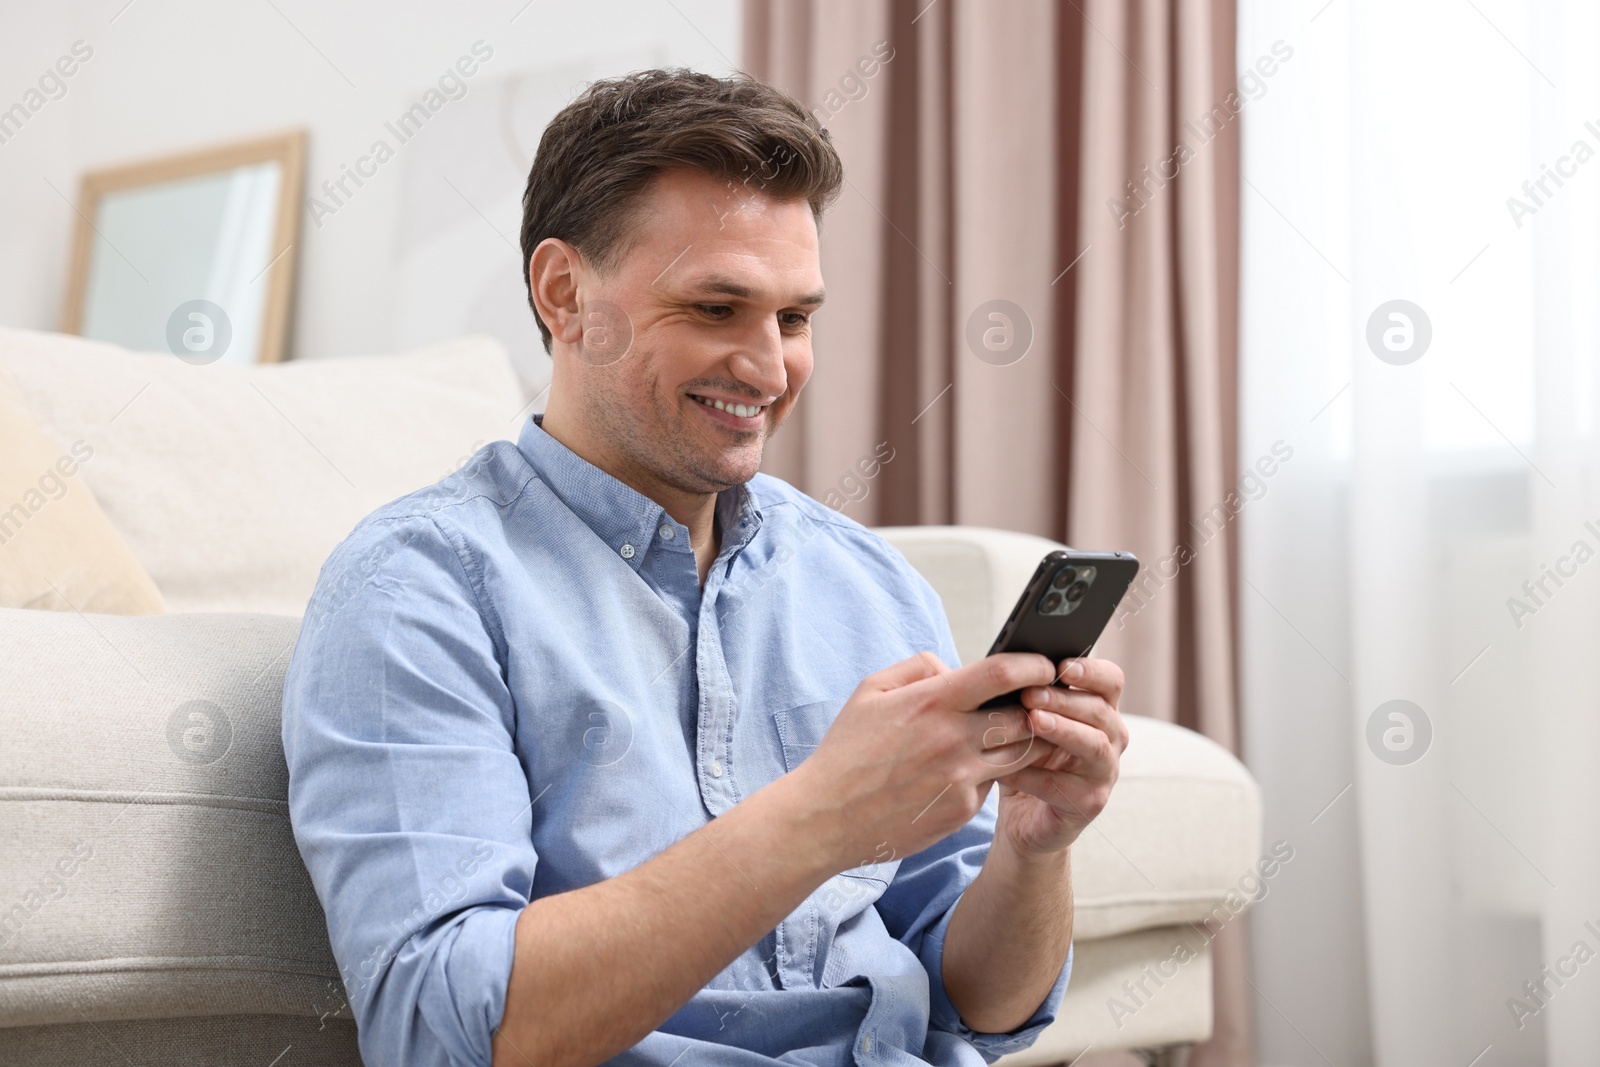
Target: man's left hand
1044,807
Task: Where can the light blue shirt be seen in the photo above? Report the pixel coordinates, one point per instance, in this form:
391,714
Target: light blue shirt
510,684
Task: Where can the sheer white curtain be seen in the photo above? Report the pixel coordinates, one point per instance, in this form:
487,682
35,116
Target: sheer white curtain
1435,538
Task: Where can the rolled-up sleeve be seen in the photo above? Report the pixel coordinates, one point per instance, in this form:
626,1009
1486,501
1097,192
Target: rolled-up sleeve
917,906
942,1014
409,804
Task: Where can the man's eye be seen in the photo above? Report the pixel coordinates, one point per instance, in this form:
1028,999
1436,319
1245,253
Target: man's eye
795,319
715,310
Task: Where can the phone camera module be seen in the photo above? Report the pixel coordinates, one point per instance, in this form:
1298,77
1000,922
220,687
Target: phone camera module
1068,589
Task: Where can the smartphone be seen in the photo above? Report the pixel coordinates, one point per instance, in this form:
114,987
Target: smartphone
1067,603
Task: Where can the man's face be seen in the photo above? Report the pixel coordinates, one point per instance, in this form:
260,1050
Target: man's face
716,291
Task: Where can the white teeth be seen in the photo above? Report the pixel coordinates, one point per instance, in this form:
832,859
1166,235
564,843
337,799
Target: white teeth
744,411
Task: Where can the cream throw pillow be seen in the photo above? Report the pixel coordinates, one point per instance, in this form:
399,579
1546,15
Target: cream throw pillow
231,484
57,549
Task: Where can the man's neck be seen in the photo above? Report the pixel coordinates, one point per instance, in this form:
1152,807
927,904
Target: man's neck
697,511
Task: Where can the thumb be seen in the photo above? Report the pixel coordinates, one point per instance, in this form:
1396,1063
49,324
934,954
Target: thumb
922,665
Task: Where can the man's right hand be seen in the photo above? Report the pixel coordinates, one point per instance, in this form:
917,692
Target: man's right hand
910,758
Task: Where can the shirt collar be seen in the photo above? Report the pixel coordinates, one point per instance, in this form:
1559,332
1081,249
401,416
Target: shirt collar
621,516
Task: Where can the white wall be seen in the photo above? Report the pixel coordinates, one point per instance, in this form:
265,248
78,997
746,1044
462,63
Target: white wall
406,260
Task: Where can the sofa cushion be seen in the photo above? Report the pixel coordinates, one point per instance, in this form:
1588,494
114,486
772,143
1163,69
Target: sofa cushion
1179,841
57,549
231,484
209,1041
147,866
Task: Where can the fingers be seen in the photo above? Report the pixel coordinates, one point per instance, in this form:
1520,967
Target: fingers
992,676
1083,706
1093,747
1074,798
1041,783
998,726
923,665
1095,675
1003,740
1010,758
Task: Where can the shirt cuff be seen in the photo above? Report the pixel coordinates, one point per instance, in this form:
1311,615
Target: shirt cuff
942,1014
471,961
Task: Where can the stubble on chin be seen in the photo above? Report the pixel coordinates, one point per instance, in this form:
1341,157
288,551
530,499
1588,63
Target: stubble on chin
677,452
701,467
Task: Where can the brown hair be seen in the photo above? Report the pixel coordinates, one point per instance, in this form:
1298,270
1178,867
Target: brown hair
600,153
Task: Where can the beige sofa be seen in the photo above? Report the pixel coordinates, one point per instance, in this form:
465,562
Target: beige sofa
153,907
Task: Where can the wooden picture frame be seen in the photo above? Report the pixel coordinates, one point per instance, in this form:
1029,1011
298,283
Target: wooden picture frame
287,148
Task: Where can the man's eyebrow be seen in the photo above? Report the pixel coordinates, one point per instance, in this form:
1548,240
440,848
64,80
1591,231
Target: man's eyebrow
729,287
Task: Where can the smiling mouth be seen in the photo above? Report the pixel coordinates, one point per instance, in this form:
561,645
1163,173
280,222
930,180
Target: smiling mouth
743,411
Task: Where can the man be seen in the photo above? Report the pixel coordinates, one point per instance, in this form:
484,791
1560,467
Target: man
609,748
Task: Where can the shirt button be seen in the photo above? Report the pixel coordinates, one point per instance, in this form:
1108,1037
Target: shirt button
866,1043
667,532
627,551
716,768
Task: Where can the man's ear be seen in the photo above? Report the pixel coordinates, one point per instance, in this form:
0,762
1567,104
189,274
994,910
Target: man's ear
553,275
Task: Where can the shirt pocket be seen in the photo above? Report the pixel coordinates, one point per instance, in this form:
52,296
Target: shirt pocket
800,730
801,727
810,947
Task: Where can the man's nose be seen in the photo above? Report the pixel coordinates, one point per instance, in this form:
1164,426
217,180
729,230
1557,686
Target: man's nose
759,362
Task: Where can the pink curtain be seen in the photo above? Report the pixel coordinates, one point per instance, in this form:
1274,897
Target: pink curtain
1032,294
